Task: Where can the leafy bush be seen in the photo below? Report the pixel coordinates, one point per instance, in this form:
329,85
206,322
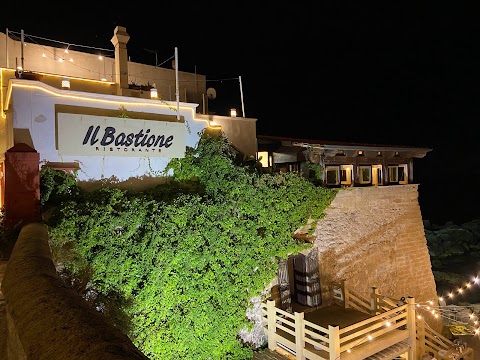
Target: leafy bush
182,260
56,186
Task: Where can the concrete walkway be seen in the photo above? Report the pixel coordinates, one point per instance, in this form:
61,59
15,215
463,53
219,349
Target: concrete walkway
3,317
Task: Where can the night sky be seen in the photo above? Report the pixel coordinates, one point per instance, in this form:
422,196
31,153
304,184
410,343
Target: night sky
381,72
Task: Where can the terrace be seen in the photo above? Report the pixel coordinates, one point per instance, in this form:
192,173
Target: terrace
354,328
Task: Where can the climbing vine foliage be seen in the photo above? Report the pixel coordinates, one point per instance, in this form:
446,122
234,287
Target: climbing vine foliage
178,263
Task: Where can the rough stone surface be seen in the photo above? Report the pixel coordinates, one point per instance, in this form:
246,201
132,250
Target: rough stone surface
374,237
52,322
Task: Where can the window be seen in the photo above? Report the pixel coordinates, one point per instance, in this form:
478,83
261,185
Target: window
263,157
393,173
402,174
398,174
365,174
332,175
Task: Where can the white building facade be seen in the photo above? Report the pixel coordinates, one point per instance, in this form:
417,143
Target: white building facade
91,119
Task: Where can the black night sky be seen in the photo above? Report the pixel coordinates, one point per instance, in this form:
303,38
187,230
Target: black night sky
383,72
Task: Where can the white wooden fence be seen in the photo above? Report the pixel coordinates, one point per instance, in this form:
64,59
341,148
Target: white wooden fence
393,322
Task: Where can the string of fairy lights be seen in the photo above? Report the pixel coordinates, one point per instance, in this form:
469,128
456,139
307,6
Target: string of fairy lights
458,314
64,56
50,53
468,315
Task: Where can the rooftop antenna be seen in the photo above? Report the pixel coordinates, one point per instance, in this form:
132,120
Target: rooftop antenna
153,52
241,95
22,45
211,94
177,89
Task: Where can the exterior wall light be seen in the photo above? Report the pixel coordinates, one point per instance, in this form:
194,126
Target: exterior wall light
66,83
153,93
233,113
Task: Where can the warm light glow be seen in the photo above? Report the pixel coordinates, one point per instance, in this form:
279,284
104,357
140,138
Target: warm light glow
19,68
349,350
127,101
440,298
43,55
153,93
233,112
65,83
419,317
369,337
262,156
388,324
450,295
60,60
71,60
1,95
460,290
100,57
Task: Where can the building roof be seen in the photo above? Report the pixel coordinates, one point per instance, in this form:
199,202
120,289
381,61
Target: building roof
276,143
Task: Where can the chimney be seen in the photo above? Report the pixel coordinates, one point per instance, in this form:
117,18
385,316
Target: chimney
119,40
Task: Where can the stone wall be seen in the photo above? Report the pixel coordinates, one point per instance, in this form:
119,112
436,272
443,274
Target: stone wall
46,319
374,237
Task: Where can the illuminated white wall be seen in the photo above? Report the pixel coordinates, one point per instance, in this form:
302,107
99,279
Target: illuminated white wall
32,113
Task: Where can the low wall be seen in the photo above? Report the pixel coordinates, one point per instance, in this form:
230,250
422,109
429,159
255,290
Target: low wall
46,319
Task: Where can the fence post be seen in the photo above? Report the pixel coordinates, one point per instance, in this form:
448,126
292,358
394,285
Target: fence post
272,344
412,331
373,300
299,336
421,335
345,294
334,342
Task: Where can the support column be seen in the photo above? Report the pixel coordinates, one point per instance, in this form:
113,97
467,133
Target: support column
272,343
299,335
22,186
120,40
412,329
373,301
334,341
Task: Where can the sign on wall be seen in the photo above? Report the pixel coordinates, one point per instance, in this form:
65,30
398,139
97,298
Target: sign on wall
91,135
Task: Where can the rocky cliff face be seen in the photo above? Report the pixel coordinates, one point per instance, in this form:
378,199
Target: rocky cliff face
451,242
455,256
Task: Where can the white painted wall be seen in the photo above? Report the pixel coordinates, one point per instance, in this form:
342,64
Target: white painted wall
33,112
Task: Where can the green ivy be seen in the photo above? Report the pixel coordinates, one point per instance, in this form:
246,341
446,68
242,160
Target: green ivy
182,260
56,186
